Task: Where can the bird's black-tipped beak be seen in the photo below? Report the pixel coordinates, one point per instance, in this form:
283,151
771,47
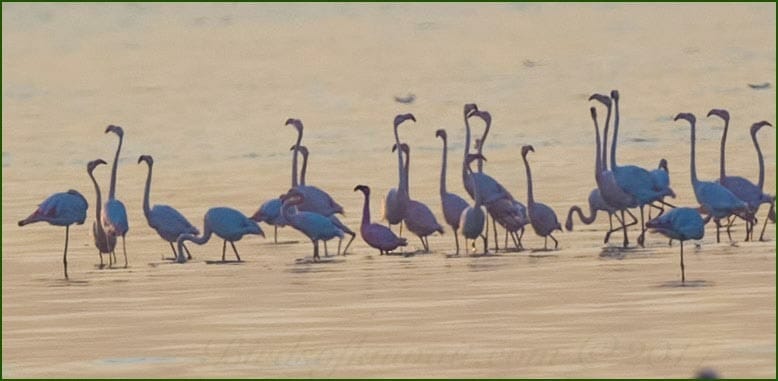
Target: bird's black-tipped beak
115,129
593,111
615,95
441,133
721,113
601,98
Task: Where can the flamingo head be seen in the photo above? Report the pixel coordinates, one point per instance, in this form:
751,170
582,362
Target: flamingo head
758,125
663,165
115,129
526,149
484,115
93,164
402,118
363,188
721,113
303,150
441,133
293,197
686,116
296,123
147,158
602,99
469,108
403,147
615,95
474,156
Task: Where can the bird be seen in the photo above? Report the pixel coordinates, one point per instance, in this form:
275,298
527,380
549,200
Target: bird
716,200
418,218
680,224
167,221
377,236
114,213
397,199
61,209
103,242
741,187
314,200
303,150
542,217
596,204
315,226
507,211
452,204
472,219
270,213
228,224
609,188
632,179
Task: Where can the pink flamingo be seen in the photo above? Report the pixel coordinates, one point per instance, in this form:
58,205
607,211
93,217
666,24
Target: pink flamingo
418,217
453,205
114,214
377,236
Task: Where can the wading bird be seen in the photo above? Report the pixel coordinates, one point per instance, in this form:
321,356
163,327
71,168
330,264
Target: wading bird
377,236
315,226
114,214
228,224
397,199
418,217
681,224
103,242
473,218
541,216
452,204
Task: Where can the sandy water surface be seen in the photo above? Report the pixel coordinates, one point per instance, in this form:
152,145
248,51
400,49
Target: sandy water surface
206,88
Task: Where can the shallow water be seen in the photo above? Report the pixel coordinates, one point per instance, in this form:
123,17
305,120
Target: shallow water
206,88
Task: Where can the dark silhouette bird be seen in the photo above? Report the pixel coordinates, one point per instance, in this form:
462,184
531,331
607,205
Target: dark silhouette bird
418,217
375,235
315,226
168,222
716,201
228,224
397,199
452,204
114,213
680,224
103,242
61,209
541,216
473,218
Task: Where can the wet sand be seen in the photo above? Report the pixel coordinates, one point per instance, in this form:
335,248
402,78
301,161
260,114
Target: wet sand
205,89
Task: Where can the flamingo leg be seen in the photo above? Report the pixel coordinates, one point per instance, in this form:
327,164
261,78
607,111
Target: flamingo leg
353,236
496,242
401,230
174,251
224,250
520,237
486,246
340,240
111,259
683,270
771,211
718,226
642,235
506,239
65,255
626,240
235,250
485,236
456,240
545,243
556,243
326,252
188,255
124,250
315,250
100,254
275,233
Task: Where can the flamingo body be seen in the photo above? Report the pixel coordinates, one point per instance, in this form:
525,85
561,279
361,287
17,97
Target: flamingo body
60,209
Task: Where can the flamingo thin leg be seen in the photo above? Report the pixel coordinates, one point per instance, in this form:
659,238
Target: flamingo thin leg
235,250
65,255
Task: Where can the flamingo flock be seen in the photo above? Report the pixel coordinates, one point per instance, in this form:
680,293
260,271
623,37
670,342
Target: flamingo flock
620,190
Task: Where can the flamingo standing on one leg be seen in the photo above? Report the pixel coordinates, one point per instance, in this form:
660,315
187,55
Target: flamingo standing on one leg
228,224
681,224
304,152
61,209
315,226
542,217
114,214
418,217
377,236
103,242
472,219
452,204
167,221
716,201
397,199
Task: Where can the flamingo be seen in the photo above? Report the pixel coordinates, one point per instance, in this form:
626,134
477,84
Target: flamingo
103,242
596,203
61,209
315,226
741,187
228,224
314,199
715,199
632,179
472,219
452,204
397,199
542,217
606,182
167,221
377,236
418,217
303,150
507,211
114,214
681,224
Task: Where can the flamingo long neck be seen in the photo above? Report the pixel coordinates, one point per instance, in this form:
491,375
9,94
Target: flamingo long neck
530,198
366,210
294,157
191,237
146,208
476,195
443,167
615,134
585,219
304,169
400,185
406,173
467,150
481,148
759,156
722,161
597,149
112,189
604,147
693,166
98,209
